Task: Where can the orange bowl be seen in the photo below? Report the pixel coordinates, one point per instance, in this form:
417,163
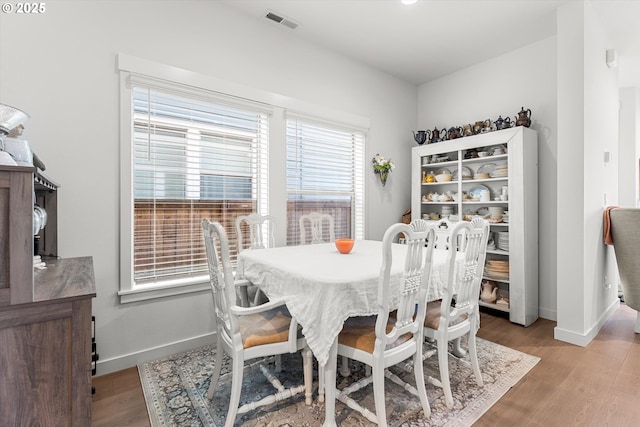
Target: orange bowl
344,245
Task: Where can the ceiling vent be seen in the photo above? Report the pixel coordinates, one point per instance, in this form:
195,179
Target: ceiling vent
282,20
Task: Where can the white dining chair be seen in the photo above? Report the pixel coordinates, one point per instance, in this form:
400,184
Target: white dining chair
384,340
261,231
457,313
248,333
319,225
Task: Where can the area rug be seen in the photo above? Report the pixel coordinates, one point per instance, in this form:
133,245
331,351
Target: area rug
175,391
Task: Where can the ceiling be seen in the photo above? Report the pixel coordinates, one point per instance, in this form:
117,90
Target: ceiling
432,38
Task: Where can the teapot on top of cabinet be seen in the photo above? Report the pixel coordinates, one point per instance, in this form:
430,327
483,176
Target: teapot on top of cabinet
524,118
438,135
477,127
455,132
422,136
487,126
505,123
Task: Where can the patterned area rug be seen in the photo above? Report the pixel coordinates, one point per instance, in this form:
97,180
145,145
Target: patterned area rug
175,390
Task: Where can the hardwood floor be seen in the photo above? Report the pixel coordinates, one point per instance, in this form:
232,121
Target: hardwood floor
596,385
118,400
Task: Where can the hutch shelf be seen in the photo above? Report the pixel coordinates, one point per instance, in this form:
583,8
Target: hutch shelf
504,179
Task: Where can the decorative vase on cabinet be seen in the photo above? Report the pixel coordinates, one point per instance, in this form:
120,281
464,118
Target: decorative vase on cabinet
502,186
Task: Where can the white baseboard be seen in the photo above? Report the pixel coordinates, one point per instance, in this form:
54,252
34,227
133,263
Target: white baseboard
133,359
548,314
582,339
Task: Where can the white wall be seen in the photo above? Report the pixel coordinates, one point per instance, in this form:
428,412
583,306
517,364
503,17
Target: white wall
60,68
628,177
588,127
501,86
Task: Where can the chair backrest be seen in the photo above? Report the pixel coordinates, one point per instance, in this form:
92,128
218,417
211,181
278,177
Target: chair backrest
261,231
467,240
220,276
316,221
442,230
625,229
419,237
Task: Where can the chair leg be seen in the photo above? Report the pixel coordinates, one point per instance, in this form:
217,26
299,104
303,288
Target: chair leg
637,328
457,350
307,361
320,383
418,370
242,297
473,355
344,367
378,395
236,387
278,360
259,298
216,371
443,365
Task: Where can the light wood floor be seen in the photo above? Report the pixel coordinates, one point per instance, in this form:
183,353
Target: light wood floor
598,385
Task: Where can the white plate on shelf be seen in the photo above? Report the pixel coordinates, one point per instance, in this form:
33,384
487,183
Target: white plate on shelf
466,173
487,168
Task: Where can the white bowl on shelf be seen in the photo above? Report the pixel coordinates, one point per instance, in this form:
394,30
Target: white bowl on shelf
444,177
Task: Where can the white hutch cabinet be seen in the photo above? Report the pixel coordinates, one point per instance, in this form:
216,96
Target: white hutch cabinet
509,172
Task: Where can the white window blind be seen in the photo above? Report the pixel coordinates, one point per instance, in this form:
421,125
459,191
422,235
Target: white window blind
325,174
194,157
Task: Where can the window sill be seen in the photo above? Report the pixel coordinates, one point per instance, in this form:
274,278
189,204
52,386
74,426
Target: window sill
153,291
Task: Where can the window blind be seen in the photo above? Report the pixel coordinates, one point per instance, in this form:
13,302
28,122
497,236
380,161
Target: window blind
325,173
194,157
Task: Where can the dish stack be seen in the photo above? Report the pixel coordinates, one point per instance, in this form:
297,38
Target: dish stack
447,211
502,241
497,269
501,171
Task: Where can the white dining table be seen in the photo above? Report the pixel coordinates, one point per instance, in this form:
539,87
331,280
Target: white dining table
322,288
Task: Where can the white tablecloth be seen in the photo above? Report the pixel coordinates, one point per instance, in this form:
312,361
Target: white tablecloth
322,287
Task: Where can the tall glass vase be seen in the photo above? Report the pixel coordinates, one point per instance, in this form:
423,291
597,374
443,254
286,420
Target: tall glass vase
383,177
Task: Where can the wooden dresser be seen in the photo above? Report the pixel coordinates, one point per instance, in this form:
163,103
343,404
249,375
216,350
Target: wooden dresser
45,320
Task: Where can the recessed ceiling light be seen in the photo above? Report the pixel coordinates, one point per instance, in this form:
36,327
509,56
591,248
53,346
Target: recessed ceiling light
408,1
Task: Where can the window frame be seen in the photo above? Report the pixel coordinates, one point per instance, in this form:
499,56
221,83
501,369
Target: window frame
356,147
130,289
280,106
